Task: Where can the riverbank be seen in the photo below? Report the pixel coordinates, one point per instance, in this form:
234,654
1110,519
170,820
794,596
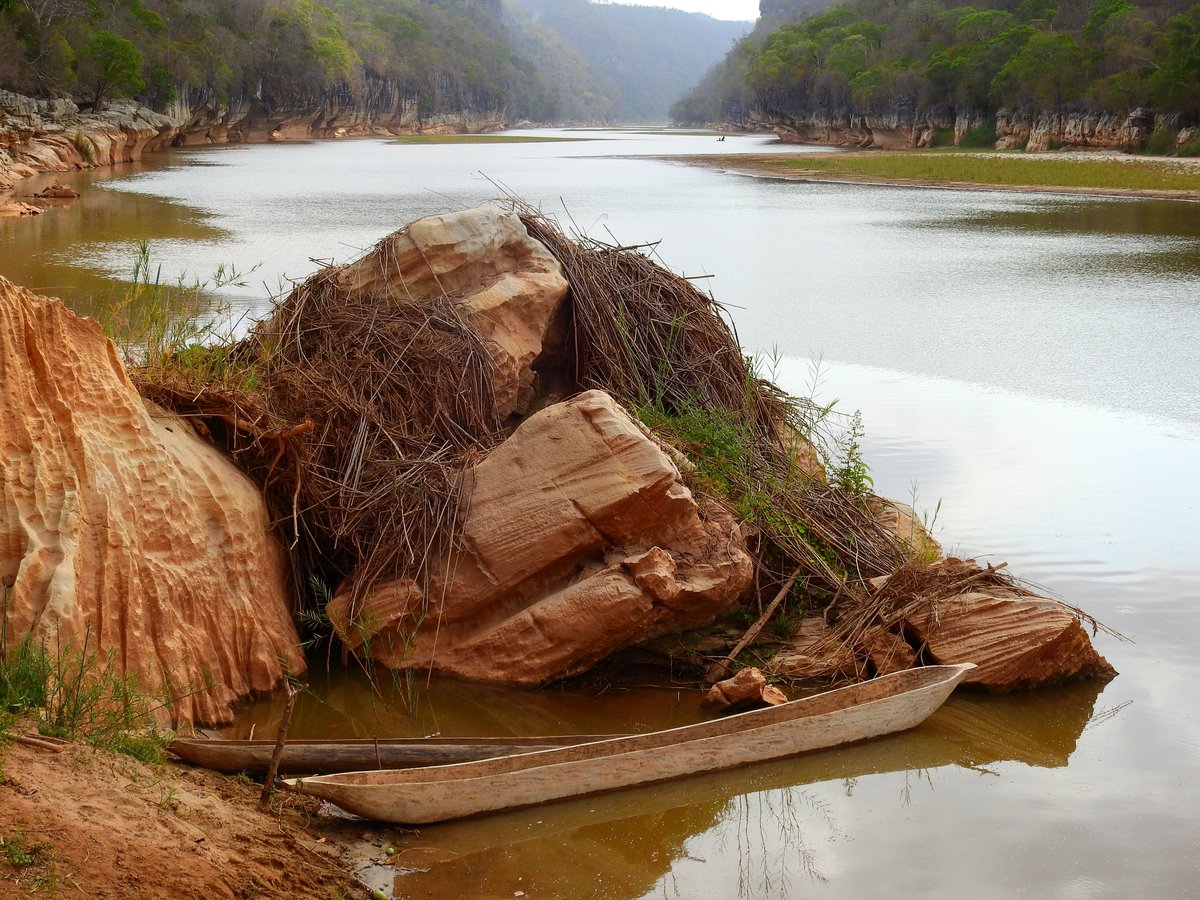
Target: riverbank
40,136
91,823
1092,174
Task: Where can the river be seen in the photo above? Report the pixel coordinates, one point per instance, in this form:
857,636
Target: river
1026,367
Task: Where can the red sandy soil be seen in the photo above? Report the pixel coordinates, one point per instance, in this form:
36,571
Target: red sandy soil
102,825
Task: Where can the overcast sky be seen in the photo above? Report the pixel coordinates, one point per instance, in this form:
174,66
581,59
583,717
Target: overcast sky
737,10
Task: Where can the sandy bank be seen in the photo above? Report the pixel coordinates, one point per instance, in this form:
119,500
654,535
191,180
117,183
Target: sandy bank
789,166
97,824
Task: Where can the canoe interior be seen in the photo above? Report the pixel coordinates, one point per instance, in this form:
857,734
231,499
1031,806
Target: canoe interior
326,756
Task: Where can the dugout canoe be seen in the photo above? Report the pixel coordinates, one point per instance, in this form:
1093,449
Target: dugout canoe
328,757
870,709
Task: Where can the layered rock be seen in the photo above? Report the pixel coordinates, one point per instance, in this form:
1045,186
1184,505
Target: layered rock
579,538
510,286
119,525
381,106
745,690
38,136
1041,130
1016,129
1017,640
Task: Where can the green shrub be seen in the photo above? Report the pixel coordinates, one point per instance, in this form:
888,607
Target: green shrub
1160,143
79,695
980,137
943,137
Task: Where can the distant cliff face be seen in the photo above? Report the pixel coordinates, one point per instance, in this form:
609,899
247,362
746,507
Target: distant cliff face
1015,129
650,56
39,136
380,106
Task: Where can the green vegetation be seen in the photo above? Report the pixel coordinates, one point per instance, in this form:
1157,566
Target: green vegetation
1002,170
177,331
534,61
77,694
866,57
643,57
109,64
723,447
33,861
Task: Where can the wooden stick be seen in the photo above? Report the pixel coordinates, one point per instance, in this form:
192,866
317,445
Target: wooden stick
957,587
720,669
34,742
294,691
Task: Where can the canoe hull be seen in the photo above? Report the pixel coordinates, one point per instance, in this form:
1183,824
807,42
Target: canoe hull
329,757
860,712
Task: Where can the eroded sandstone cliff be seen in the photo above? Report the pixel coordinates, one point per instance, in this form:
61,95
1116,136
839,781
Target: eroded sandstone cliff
118,524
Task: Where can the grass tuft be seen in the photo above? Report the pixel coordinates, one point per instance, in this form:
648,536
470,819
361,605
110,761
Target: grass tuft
1002,170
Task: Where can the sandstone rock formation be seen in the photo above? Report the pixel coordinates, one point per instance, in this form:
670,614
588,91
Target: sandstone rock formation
579,538
509,284
745,690
39,136
117,522
57,191
901,520
16,209
1016,129
1017,640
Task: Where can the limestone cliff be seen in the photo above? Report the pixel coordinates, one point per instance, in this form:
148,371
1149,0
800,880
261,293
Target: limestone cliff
1019,129
38,136
117,522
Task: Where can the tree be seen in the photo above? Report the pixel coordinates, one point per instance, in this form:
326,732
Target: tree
1176,83
1047,72
110,65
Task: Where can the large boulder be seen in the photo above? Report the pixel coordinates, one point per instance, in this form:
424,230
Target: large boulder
1017,640
579,538
119,524
510,286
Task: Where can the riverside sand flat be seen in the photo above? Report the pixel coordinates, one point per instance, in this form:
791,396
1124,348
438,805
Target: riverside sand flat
415,796
328,756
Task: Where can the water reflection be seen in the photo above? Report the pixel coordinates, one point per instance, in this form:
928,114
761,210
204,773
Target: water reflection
50,253
778,822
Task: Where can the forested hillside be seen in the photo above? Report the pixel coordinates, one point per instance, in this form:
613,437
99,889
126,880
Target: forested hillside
447,54
871,56
651,55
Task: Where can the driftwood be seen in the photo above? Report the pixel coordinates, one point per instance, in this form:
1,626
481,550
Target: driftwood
720,669
54,745
293,691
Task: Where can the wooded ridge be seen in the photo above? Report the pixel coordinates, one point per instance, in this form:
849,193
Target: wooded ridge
866,58
446,55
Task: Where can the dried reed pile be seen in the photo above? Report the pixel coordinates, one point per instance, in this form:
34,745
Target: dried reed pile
399,391
650,338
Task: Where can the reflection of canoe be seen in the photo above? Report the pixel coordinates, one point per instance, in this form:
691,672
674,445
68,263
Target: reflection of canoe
410,796
313,757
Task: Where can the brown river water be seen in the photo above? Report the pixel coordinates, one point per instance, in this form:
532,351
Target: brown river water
1028,362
